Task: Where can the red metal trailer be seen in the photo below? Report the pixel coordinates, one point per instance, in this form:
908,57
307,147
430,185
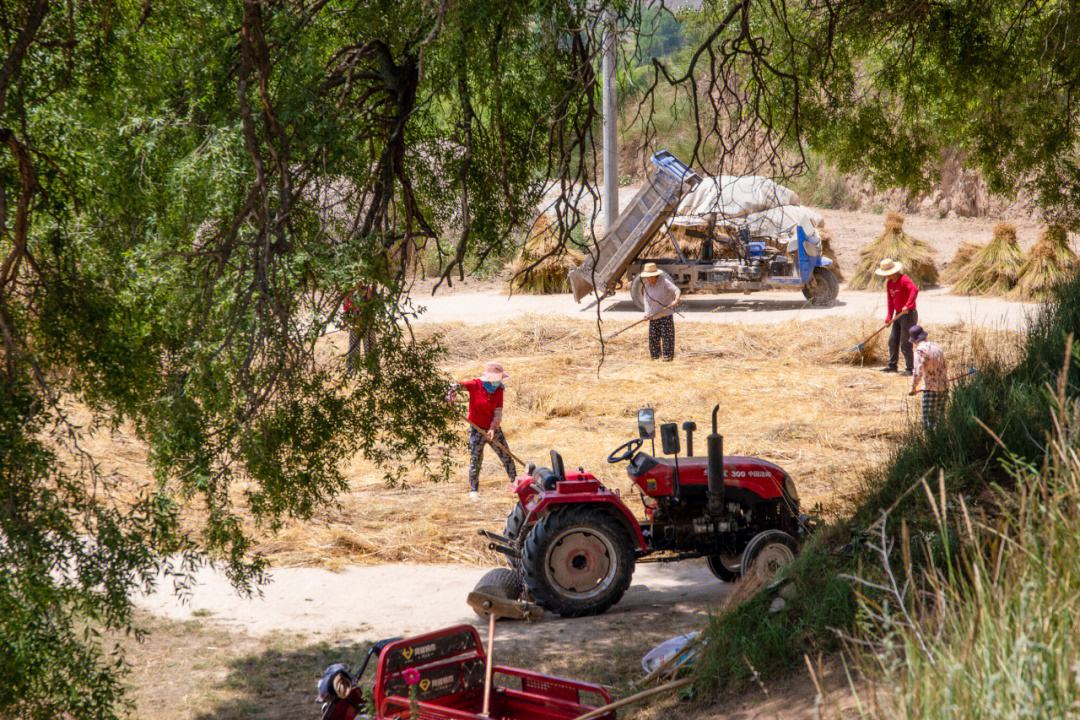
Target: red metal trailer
445,669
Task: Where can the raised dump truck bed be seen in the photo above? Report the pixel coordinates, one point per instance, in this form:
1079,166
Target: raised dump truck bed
635,227
750,265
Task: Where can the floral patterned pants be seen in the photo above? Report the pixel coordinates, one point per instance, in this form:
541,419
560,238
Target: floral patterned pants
477,441
662,337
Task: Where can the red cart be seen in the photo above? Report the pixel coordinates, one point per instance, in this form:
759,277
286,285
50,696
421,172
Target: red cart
447,670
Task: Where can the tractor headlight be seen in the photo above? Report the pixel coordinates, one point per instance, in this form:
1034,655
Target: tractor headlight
790,491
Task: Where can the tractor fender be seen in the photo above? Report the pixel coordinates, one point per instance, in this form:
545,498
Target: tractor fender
614,505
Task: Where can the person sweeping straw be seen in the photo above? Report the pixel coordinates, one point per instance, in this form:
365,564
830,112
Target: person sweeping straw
900,292
661,297
932,370
485,419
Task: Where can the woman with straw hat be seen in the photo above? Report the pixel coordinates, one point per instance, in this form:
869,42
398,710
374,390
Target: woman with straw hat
901,293
485,419
661,297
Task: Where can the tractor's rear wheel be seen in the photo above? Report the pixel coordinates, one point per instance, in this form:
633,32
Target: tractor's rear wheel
514,522
500,582
724,567
822,289
766,554
578,561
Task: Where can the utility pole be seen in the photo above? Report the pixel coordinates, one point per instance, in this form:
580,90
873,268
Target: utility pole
610,140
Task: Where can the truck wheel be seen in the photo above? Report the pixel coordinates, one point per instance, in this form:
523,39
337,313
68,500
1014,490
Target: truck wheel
578,561
500,582
514,522
635,290
822,289
724,567
766,554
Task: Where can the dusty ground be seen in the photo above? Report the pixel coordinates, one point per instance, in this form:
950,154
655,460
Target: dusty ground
222,656
356,572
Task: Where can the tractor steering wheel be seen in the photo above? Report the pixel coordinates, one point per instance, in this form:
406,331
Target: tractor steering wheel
631,447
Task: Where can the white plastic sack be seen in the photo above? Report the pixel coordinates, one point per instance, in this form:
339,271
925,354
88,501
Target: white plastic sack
734,196
665,651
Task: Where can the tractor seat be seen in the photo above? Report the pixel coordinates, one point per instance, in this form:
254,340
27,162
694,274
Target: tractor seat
546,477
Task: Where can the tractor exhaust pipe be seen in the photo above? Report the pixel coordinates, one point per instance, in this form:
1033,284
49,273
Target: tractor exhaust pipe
715,444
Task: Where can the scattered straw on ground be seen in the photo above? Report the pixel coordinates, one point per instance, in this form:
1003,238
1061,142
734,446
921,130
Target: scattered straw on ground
995,268
782,397
916,257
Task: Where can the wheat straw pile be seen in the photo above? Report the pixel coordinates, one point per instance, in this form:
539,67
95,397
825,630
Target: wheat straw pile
550,275
915,255
1049,261
827,250
995,268
781,394
963,256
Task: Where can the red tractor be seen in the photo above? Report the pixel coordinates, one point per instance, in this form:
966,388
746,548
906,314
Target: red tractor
573,542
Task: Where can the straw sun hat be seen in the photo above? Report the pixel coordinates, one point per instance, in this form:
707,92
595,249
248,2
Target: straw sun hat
650,270
888,267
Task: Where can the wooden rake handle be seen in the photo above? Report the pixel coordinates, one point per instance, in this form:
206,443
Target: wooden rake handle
617,333
496,443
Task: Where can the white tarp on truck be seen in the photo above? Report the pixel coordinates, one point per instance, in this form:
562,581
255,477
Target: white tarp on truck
780,221
732,196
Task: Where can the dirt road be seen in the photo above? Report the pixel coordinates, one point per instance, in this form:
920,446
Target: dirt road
374,602
935,306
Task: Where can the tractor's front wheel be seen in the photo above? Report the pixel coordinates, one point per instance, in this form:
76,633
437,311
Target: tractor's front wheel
724,567
766,554
578,561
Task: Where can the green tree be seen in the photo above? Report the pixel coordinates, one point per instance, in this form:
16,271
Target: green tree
188,191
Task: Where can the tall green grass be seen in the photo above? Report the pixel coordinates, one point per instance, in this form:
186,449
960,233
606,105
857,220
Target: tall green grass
992,630
999,421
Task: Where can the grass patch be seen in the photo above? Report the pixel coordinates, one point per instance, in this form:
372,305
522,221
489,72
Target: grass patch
1013,400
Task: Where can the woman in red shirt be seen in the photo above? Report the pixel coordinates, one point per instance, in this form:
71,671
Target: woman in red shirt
901,293
485,412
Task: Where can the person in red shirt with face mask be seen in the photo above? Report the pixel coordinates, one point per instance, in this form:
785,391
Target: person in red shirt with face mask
902,315
485,413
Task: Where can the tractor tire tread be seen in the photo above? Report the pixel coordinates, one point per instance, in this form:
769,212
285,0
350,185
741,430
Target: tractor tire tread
532,558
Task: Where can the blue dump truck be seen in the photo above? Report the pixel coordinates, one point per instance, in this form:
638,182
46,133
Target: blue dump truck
727,264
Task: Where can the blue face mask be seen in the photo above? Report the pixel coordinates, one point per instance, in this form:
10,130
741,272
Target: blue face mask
491,386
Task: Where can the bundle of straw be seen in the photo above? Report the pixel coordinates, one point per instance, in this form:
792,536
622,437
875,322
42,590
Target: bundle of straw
550,275
995,269
1048,263
960,260
828,251
915,255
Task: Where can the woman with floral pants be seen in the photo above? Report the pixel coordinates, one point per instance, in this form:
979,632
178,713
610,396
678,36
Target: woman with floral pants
661,297
485,416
